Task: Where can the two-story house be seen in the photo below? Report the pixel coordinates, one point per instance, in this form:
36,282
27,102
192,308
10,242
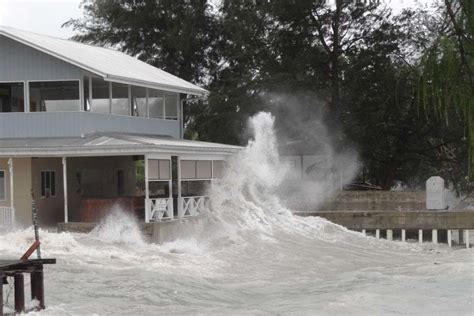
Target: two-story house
86,128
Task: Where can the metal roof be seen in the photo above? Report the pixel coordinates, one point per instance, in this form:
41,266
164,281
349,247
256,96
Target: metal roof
109,144
107,63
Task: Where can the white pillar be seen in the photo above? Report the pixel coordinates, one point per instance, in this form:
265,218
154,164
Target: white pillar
420,236
389,234
466,237
147,192
363,232
434,236
179,200
404,236
377,233
12,192
449,238
66,213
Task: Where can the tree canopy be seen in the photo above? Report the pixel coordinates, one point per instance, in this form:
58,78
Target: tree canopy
398,89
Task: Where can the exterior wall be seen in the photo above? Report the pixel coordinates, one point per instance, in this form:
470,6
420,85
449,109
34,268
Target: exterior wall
19,62
50,209
21,190
75,124
108,166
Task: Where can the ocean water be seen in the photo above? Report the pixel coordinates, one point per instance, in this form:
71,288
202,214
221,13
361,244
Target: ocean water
249,255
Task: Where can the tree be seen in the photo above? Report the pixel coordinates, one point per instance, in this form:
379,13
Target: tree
447,83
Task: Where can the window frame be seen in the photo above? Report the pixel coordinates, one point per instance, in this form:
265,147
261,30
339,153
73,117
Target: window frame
25,94
27,87
4,185
46,171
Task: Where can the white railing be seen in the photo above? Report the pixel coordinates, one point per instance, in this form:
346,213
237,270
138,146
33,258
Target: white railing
193,205
7,217
160,209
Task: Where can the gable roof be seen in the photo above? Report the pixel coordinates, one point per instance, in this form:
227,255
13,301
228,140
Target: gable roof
107,63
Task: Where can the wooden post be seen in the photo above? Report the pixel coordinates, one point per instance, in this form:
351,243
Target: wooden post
449,238
1,293
37,287
420,236
19,292
147,191
377,233
66,212
12,191
404,236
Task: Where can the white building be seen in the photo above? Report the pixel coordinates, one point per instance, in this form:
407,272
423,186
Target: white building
84,128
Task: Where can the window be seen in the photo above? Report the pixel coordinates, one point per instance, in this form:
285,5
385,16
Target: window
85,84
2,186
171,106
217,169
155,103
159,169
100,96
196,169
120,103
48,184
54,96
12,97
139,101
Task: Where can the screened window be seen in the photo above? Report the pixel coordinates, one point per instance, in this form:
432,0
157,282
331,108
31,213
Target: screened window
12,97
54,96
120,104
196,169
2,185
217,168
100,96
155,103
139,101
48,184
171,106
85,83
159,169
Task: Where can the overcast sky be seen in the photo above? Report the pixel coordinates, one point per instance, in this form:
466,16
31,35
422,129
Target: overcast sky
47,16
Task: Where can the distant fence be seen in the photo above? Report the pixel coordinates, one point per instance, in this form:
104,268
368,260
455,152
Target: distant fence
7,218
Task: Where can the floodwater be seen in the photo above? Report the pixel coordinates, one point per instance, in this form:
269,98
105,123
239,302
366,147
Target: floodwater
249,255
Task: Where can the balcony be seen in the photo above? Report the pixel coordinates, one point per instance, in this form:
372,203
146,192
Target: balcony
75,124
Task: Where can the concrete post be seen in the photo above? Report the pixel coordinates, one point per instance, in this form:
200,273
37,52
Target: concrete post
404,235
363,232
389,234
434,236
377,233
449,238
420,236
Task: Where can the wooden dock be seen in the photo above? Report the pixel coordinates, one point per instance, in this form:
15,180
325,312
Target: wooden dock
17,269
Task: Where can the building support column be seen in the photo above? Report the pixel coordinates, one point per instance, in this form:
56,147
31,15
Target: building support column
389,234
449,237
12,192
66,211
404,236
147,192
420,236
178,177
377,233
434,236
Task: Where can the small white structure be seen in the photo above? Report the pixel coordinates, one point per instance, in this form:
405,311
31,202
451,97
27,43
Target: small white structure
435,194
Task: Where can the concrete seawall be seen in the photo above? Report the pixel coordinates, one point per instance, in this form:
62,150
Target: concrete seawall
158,232
371,220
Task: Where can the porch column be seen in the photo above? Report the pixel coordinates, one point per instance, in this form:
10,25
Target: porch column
12,195
180,202
147,192
66,213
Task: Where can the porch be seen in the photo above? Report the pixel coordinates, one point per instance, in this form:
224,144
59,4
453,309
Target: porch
83,179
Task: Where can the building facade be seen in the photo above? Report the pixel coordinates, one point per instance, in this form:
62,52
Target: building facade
85,129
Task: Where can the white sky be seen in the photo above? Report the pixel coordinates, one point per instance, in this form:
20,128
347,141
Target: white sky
47,16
